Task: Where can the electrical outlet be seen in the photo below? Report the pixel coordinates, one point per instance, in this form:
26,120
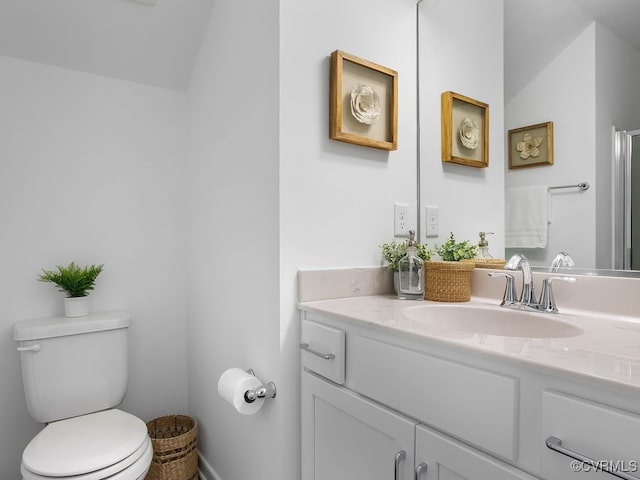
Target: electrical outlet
432,217
401,220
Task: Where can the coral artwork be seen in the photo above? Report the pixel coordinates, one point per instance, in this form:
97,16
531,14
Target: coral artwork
469,133
529,146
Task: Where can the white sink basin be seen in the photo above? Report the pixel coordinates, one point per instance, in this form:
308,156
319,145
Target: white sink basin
491,320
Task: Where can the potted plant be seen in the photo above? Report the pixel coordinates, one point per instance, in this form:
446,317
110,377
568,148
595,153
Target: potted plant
392,253
449,280
76,282
452,251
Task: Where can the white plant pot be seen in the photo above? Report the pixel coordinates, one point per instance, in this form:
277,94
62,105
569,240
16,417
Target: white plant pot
76,307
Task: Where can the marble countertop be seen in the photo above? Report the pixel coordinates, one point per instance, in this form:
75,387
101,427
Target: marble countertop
608,349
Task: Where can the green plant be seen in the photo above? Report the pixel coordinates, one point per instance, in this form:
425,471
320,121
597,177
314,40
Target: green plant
452,251
72,279
392,253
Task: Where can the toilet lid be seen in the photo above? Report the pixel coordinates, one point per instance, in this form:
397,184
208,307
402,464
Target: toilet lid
83,444
134,466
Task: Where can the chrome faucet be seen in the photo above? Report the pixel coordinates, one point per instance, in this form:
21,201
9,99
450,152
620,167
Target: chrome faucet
527,296
527,300
562,260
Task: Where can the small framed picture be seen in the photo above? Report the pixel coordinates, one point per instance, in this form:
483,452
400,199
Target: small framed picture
531,146
465,130
364,102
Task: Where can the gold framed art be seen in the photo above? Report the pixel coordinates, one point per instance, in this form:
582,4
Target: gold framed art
465,130
363,102
531,146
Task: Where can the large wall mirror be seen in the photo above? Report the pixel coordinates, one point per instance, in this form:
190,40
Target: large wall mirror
575,63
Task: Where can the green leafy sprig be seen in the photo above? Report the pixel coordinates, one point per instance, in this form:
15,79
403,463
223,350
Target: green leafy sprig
72,279
392,253
452,251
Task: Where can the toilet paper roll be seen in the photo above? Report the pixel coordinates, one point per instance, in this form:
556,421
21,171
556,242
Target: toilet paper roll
232,385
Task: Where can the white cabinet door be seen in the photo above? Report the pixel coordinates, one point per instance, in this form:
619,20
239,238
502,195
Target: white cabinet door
447,459
347,437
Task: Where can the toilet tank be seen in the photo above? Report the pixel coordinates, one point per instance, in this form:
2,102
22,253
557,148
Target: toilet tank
73,366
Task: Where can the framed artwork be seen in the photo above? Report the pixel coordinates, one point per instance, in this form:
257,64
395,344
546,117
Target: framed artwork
364,102
531,146
465,130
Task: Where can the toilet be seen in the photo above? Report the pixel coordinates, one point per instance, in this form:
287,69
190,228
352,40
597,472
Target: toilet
74,372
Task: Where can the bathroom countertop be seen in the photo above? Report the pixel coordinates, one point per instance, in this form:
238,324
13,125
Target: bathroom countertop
607,350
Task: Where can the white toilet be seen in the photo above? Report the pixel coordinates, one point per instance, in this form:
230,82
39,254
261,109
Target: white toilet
75,372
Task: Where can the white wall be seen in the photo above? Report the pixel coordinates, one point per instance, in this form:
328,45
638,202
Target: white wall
461,49
232,214
91,170
617,105
564,93
336,199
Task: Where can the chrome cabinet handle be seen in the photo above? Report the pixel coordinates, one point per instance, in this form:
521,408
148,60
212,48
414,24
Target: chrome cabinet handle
31,348
325,356
420,469
401,455
555,444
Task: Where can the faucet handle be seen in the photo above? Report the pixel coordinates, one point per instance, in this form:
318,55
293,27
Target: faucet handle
547,302
510,296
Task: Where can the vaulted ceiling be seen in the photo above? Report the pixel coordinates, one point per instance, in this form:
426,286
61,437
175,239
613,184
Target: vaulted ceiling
536,31
143,41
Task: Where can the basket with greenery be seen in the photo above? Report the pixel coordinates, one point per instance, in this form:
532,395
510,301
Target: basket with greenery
73,280
449,280
452,251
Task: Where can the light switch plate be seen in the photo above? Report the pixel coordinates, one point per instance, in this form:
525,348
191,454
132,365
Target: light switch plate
432,216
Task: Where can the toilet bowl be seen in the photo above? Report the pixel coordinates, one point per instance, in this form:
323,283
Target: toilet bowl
110,444
74,372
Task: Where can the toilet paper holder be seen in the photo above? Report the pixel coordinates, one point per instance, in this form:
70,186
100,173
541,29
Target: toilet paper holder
268,390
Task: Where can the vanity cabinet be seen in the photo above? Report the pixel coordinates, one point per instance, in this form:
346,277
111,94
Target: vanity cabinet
379,403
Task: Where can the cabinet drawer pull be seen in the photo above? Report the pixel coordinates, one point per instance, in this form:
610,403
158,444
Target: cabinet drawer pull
401,455
325,356
555,444
420,469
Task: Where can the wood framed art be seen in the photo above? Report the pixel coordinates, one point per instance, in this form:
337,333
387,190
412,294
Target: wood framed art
531,146
465,130
364,102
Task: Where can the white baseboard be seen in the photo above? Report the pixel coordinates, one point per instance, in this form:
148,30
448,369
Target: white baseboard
205,470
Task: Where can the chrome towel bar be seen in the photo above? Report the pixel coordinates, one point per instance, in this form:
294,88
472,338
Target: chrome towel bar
581,186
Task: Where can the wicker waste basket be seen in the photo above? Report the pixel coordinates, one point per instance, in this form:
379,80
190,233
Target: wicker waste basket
448,281
175,455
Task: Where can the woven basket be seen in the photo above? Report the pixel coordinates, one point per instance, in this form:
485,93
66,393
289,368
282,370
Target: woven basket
496,263
175,455
448,281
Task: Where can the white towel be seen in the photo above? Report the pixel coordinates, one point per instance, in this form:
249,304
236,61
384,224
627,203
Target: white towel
527,217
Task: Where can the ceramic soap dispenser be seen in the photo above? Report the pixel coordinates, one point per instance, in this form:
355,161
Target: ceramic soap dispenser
410,278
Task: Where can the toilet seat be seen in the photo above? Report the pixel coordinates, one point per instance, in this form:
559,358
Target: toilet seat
110,443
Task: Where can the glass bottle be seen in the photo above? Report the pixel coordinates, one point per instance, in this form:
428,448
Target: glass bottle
483,246
410,279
